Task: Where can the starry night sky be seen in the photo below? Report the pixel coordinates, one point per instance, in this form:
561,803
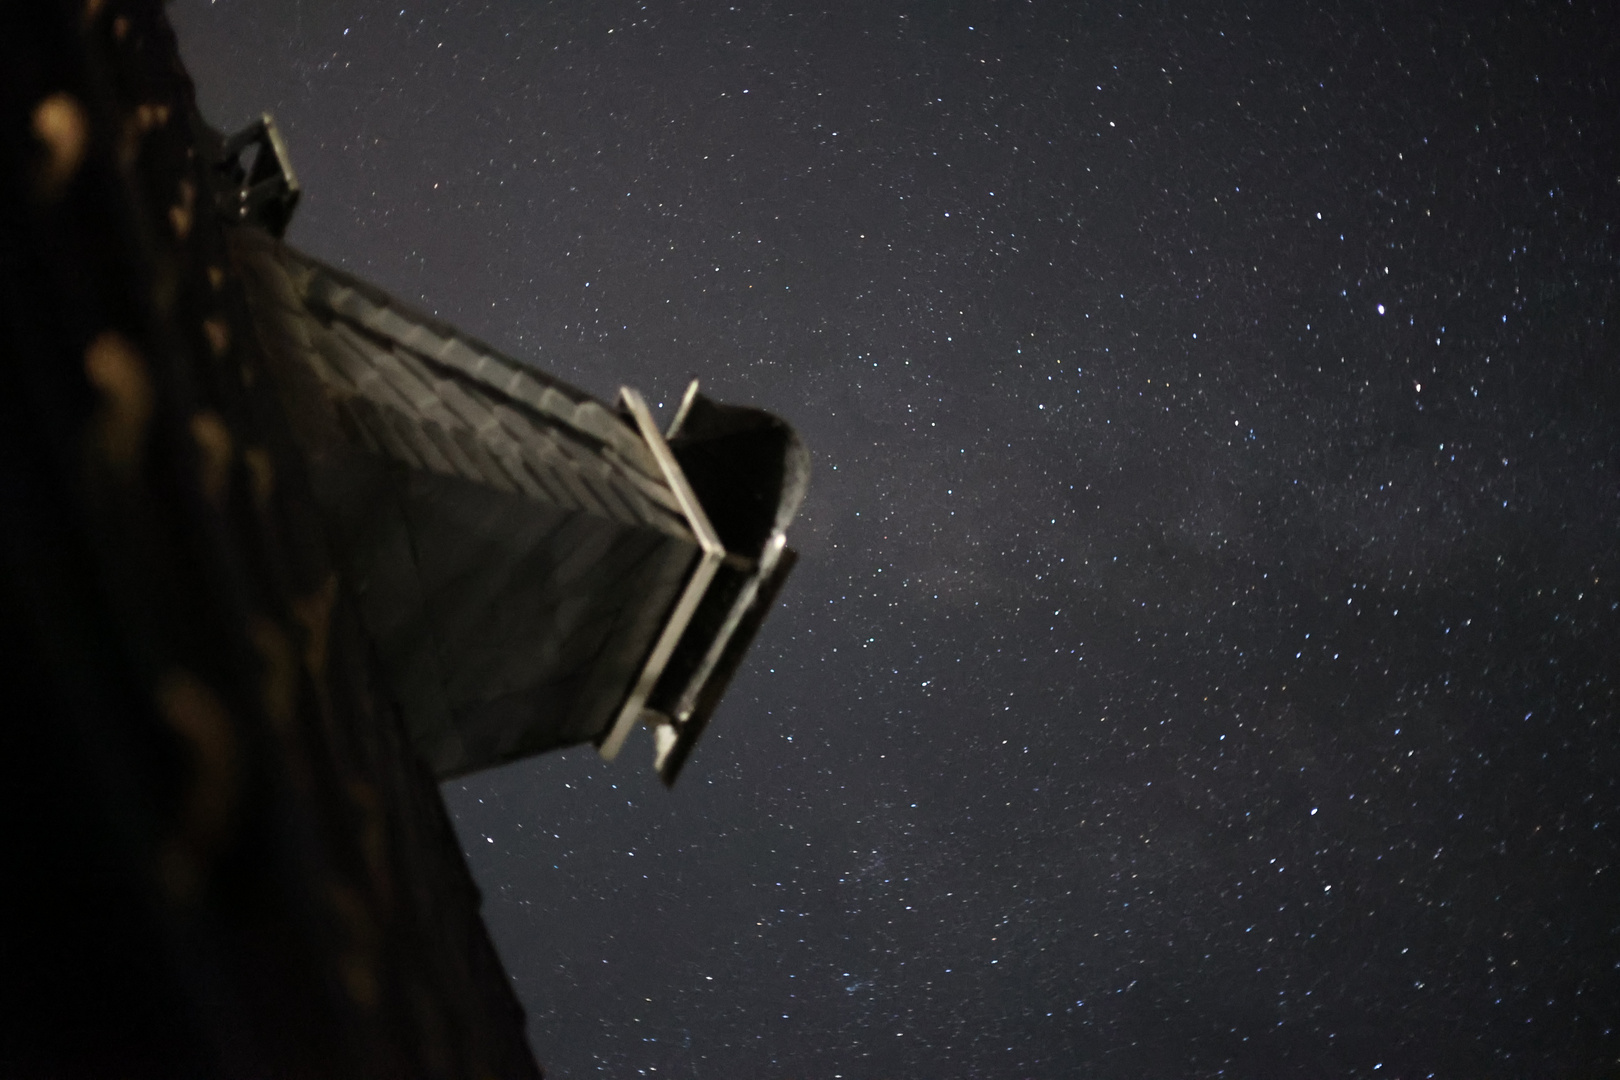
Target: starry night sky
1204,658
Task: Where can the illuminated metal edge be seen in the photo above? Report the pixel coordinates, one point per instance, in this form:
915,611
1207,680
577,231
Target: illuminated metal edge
668,740
728,626
278,147
680,413
709,559
674,742
767,562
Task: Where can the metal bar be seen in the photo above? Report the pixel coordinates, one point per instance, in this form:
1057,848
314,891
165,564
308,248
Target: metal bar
702,573
739,608
685,407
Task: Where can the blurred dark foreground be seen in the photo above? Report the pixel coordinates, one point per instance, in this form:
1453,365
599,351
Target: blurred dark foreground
221,857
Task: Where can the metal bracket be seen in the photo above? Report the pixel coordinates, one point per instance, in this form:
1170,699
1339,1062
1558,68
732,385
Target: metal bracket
263,192
669,751
709,558
739,607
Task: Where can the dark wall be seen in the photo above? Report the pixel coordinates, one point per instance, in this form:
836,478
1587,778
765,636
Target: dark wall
220,857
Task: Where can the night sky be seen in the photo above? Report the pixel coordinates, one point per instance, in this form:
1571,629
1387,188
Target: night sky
1204,656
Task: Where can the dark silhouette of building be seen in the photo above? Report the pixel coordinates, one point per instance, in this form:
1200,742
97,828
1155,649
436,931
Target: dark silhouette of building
280,554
